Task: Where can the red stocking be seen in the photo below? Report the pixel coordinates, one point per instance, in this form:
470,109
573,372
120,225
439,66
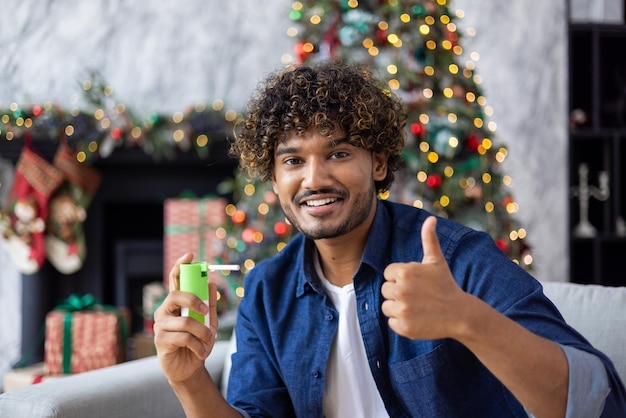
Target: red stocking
24,219
65,237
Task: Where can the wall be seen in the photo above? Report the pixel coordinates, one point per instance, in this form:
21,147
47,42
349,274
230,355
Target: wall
168,55
523,62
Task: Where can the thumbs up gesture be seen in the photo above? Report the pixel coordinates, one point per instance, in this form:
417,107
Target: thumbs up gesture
421,298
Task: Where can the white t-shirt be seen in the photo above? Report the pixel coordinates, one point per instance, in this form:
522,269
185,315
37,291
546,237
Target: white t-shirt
349,388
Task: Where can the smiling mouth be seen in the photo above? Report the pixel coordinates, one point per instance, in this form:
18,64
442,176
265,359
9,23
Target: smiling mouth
320,202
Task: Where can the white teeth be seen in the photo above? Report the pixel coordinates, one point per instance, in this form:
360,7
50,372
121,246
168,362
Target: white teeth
320,202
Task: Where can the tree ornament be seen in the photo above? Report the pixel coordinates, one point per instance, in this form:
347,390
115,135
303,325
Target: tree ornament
473,142
281,228
417,128
503,244
434,181
298,49
348,35
381,37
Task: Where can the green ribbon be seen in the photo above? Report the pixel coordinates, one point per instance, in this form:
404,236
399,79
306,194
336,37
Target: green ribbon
76,303
88,302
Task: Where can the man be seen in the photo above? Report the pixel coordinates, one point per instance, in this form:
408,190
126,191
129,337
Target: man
376,309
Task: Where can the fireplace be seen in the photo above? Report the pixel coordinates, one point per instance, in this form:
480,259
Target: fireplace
123,231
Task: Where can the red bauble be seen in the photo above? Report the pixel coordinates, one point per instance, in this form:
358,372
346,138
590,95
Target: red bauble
381,37
503,244
298,49
247,235
473,142
434,181
238,217
507,200
417,128
116,133
281,228
452,37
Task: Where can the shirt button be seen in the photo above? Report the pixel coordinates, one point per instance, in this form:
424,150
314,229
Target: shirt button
329,317
366,306
316,374
377,364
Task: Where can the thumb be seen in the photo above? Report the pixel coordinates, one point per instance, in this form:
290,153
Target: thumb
430,242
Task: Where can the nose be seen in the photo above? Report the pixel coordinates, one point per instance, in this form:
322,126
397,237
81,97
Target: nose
316,174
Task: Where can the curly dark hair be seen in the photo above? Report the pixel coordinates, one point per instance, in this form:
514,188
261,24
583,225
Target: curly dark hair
326,96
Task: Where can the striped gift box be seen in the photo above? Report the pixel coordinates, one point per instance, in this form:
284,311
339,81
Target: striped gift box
189,226
94,338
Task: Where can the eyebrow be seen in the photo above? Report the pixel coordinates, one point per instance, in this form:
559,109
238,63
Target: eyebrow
330,144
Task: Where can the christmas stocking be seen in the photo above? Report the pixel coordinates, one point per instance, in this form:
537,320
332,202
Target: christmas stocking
23,222
65,237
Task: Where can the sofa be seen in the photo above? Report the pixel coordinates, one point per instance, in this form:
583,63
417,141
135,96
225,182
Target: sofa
139,389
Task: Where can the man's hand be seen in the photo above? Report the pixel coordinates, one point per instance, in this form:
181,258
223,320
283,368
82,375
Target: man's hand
424,302
422,298
182,343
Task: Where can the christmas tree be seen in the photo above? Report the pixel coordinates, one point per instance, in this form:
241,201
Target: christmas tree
452,162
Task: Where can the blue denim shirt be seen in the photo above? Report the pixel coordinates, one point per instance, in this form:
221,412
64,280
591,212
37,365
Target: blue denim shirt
286,325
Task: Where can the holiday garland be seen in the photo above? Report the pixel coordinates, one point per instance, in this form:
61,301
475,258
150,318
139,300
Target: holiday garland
106,124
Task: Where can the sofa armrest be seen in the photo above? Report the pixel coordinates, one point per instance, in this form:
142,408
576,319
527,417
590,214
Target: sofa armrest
597,312
136,388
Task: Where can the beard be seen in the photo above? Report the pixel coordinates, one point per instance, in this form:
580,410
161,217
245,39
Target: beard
358,214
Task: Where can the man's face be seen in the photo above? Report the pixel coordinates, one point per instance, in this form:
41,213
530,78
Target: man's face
325,185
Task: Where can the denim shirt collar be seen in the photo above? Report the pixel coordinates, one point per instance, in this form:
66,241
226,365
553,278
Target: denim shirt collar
376,254
377,250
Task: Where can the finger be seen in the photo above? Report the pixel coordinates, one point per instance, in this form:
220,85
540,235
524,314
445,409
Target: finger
196,346
171,340
387,290
167,308
169,319
175,271
430,242
175,300
387,308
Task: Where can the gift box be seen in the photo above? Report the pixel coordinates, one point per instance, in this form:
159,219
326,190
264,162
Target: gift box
190,225
26,376
83,335
152,297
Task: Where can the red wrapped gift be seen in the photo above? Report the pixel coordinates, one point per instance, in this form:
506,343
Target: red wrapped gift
83,335
189,226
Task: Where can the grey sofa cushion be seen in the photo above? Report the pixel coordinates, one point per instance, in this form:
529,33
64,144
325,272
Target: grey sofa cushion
116,391
598,313
133,389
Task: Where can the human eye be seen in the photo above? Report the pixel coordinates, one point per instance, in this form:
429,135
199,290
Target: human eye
336,155
291,161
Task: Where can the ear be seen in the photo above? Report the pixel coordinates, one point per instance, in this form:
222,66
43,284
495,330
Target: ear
379,166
